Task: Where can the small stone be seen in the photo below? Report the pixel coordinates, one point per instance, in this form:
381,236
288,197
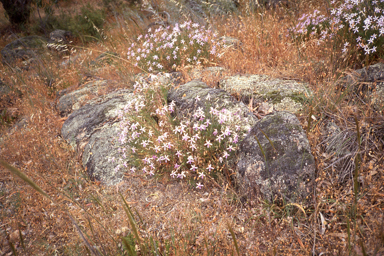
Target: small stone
265,108
14,236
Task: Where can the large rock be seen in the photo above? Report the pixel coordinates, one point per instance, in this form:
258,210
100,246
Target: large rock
94,127
93,130
230,42
60,36
275,160
185,98
283,95
8,97
59,40
72,101
199,11
255,4
25,49
5,93
211,72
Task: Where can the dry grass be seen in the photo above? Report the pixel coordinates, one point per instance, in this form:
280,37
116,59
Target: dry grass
339,222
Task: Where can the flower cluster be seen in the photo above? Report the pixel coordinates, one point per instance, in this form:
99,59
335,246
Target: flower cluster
154,141
359,22
166,49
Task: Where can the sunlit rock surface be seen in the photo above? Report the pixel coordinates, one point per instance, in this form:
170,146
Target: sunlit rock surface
284,95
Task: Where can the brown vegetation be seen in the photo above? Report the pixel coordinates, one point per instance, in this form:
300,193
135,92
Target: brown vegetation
341,221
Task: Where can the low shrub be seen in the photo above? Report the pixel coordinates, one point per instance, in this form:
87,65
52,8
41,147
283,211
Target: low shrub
158,142
87,25
356,27
166,49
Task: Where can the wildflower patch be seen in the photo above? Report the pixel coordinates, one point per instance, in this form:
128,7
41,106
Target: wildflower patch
202,141
168,49
356,25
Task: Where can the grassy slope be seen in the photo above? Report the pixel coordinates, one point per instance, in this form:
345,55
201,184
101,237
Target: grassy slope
191,222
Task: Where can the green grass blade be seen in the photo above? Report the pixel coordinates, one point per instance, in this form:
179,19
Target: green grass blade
349,236
261,148
141,219
21,239
357,160
309,121
14,252
88,245
94,235
266,136
234,238
206,245
24,177
131,220
130,212
99,203
363,248
128,246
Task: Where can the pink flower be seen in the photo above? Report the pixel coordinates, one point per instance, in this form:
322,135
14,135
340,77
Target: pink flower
178,153
207,143
190,160
144,143
181,175
186,137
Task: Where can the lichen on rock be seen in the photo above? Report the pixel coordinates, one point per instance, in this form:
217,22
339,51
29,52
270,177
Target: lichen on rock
275,160
285,95
92,130
190,96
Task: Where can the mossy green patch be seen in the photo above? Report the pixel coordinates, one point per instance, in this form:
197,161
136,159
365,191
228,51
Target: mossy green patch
276,97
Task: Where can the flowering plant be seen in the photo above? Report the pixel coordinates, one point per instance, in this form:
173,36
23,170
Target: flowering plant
166,49
158,142
359,24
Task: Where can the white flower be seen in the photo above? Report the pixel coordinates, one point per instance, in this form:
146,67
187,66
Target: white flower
207,143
